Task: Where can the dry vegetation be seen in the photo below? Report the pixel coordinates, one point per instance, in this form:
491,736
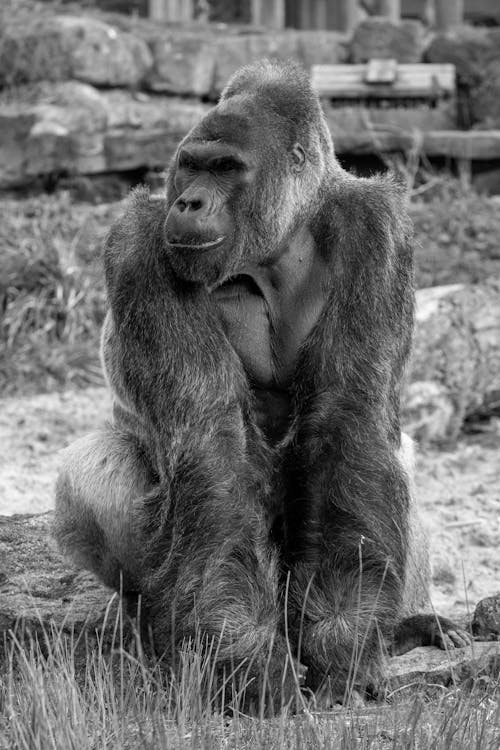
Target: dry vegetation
122,703
51,292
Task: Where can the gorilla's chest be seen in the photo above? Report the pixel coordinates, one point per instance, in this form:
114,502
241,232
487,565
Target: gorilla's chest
267,338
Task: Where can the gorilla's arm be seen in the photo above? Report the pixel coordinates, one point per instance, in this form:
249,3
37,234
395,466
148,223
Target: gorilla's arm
347,493
164,352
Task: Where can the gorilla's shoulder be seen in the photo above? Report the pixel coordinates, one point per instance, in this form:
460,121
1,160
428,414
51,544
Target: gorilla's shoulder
367,205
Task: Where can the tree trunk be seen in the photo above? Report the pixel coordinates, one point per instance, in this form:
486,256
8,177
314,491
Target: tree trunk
455,367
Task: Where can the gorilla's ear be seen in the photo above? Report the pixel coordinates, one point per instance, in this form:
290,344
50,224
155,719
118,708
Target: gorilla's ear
297,158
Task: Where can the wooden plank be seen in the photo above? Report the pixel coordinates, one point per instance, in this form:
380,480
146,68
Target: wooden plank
475,144
411,80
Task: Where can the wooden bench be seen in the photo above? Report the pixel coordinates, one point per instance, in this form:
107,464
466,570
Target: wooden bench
384,79
386,96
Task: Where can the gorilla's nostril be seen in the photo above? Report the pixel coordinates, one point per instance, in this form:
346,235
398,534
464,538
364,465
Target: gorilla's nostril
181,205
195,205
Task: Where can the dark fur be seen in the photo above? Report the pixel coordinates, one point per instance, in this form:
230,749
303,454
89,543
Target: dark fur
210,568
233,526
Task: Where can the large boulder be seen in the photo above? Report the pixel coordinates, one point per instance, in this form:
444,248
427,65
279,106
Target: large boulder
475,52
183,62
378,37
73,128
485,98
455,366
101,54
66,46
40,594
486,620
468,48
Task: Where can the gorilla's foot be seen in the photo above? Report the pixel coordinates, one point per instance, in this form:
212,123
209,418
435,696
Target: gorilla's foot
428,630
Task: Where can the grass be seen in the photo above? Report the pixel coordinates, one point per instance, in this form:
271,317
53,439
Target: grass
51,279
51,292
52,698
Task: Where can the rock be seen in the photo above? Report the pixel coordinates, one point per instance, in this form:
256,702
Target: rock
32,51
308,48
475,52
455,364
40,593
432,666
377,37
71,106
152,143
428,410
71,118
322,47
487,182
15,127
485,98
468,48
65,46
124,150
140,111
101,54
73,128
183,62
200,61
486,620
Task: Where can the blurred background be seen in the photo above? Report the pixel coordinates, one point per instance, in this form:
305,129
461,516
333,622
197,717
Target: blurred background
94,97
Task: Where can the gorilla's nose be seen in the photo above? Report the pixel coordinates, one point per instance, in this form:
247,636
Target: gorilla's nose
197,200
193,204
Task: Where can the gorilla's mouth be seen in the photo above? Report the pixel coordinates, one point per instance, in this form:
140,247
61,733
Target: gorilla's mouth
237,286
187,245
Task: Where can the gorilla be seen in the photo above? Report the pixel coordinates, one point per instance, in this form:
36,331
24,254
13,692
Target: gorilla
254,485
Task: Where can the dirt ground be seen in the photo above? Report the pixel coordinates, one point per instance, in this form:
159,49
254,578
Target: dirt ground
458,488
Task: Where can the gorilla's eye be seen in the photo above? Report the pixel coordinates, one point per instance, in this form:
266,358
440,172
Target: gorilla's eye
226,164
187,162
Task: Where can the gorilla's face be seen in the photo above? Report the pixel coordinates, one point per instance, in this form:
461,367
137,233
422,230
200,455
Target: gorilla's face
228,194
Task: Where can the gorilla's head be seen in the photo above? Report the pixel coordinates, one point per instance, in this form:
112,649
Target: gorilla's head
248,175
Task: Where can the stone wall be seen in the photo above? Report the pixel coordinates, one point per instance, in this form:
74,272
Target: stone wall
108,92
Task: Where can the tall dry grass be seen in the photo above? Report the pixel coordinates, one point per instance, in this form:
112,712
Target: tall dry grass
53,698
51,292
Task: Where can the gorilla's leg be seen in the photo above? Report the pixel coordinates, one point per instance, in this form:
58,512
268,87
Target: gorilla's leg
100,490
347,560
204,565
350,604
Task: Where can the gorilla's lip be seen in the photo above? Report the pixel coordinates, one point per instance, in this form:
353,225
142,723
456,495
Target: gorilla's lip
236,286
197,245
